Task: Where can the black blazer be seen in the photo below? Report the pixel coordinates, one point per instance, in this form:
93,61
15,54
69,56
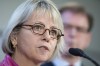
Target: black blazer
48,64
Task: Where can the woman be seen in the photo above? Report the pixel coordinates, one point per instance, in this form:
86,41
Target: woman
33,35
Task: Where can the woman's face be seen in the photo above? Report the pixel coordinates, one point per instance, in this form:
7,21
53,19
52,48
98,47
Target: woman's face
34,46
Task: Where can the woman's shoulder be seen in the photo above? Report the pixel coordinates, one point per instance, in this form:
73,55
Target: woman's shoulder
2,63
8,61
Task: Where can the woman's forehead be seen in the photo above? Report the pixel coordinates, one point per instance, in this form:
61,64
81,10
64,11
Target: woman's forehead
44,16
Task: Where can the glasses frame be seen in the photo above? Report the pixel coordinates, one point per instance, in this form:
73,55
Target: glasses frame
21,26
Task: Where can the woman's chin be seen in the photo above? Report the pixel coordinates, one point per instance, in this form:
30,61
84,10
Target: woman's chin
43,58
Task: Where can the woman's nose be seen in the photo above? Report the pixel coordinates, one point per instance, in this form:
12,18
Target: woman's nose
46,36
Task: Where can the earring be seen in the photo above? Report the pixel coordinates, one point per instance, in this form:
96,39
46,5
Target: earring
14,43
14,46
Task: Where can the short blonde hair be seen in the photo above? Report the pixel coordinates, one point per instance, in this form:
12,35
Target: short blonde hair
23,12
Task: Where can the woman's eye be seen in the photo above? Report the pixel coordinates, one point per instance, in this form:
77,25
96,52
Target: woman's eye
38,27
53,32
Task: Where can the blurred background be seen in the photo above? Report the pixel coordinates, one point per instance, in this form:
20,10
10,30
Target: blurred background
93,6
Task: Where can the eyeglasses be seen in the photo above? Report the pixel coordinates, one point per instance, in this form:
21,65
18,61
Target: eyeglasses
39,29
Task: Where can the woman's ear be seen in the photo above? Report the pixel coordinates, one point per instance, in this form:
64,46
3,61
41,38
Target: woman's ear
13,39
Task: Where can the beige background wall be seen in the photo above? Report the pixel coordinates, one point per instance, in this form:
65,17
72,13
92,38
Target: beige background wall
93,6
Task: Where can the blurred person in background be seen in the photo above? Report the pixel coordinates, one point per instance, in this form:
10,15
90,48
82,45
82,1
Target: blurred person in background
33,34
78,24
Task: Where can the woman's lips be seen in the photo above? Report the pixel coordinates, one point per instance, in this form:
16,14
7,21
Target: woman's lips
44,48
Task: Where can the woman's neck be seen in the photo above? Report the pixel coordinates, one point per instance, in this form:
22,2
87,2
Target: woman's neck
23,60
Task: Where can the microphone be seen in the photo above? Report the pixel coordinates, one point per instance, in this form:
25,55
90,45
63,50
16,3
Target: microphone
79,52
